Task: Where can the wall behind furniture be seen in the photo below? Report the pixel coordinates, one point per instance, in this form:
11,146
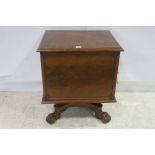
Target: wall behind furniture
20,64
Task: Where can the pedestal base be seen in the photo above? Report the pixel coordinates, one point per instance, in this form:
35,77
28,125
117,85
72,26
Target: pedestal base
95,107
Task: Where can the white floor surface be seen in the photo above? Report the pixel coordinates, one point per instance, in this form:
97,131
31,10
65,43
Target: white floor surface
22,110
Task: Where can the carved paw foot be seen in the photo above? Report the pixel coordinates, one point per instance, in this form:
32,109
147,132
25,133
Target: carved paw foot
103,116
51,118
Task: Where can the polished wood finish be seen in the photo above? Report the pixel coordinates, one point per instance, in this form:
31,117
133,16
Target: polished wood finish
91,41
79,78
79,68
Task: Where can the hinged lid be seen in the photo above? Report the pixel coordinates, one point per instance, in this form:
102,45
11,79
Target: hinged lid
78,40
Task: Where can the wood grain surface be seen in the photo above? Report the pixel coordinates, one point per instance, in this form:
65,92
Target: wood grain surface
71,40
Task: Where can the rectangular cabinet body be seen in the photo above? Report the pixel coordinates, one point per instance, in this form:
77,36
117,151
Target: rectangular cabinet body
79,67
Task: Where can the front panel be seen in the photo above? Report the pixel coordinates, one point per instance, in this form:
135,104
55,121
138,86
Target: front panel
79,76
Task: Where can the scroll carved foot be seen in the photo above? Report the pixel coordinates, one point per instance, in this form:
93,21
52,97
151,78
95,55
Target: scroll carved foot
51,118
103,116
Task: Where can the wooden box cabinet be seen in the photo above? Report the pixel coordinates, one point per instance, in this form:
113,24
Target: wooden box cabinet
79,68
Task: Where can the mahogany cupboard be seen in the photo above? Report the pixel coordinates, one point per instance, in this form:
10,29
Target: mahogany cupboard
79,68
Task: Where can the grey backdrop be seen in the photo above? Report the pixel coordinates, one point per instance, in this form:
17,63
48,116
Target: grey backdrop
20,64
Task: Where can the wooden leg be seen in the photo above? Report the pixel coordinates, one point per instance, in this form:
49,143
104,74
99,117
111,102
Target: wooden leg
96,107
59,108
